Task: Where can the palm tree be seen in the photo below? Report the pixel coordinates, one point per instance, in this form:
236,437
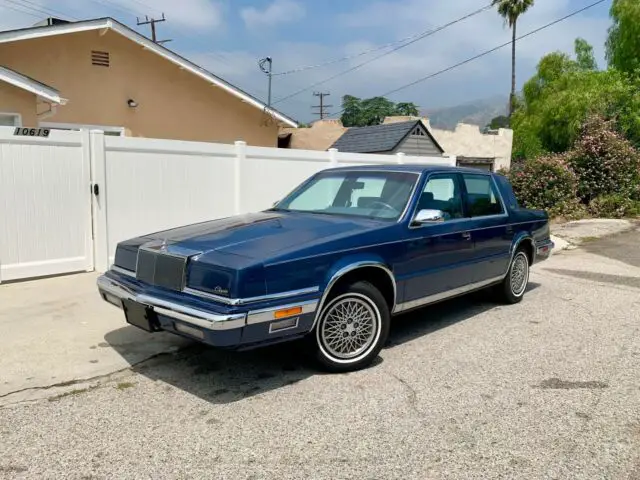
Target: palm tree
511,10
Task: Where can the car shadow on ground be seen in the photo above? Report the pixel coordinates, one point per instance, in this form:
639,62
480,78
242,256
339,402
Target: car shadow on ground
222,376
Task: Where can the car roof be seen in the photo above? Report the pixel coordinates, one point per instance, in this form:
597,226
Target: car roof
414,168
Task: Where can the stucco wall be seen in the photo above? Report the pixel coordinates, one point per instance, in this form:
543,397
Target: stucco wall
468,141
16,100
172,103
320,136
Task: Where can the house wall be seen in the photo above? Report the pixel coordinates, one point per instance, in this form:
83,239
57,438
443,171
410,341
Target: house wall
319,136
418,145
172,103
17,100
468,141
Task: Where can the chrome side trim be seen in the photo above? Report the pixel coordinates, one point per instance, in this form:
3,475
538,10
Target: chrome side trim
123,271
266,314
244,301
419,302
199,318
354,266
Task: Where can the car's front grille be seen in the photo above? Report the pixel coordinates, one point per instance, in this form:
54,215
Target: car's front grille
160,269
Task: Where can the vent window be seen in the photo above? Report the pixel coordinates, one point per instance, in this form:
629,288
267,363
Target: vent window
100,59
418,132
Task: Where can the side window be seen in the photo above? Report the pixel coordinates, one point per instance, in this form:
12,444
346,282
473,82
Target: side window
442,193
482,197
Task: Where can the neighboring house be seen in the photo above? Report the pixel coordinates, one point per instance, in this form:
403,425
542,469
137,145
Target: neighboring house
489,151
122,82
410,135
25,101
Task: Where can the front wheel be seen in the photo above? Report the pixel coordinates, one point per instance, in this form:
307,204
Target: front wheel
512,288
352,328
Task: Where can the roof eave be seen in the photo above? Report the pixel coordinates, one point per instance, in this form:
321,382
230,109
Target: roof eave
101,23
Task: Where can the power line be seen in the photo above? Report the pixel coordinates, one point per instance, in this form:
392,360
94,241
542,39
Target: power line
416,36
420,36
35,7
487,52
15,9
322,107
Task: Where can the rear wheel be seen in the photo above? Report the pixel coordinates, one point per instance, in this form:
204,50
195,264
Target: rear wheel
352,328
512,288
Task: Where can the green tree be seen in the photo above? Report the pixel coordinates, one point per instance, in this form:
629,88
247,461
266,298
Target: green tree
584,55
511,10
563,93
500,121
623,42
357,112
407,109
351,111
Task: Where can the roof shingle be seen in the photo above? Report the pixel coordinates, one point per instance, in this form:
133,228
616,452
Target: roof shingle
376,138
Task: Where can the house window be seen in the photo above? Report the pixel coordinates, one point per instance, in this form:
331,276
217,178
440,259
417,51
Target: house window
100,59
10,120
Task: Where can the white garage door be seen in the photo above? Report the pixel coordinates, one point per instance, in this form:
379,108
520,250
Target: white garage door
45,204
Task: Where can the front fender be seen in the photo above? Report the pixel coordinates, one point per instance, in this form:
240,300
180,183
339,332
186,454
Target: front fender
346,264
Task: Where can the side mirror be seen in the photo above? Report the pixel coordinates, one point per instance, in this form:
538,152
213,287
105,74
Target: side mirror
428,216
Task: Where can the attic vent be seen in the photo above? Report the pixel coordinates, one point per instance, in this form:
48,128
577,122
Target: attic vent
418,131
100,59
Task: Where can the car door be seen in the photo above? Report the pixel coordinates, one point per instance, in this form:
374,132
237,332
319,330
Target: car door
491,231
437,256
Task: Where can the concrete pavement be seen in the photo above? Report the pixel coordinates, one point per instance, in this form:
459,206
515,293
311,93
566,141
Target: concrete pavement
548,388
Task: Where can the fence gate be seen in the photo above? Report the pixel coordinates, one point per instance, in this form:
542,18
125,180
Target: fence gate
45,203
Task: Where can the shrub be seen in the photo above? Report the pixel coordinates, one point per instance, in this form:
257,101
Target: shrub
547,183
605,163
614,206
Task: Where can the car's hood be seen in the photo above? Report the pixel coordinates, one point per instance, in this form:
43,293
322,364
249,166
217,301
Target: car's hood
259,235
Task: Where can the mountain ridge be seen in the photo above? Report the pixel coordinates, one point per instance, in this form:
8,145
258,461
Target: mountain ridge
477,112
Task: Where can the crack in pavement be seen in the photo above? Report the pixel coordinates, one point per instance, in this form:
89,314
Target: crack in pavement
78,381
412,395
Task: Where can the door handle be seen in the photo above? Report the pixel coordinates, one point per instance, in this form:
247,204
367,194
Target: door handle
466,235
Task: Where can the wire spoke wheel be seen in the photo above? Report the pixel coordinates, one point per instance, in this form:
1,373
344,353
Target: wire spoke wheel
349,327
519,274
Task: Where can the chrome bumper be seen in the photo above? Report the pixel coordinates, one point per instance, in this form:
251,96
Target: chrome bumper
198,318
544,249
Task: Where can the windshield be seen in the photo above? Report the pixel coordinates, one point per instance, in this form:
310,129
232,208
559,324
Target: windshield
380,195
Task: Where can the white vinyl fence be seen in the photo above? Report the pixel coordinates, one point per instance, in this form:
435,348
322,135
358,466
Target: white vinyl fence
68,199
45,204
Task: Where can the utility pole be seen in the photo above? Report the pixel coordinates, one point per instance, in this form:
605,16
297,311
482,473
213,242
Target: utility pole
152,22
322,112
261,63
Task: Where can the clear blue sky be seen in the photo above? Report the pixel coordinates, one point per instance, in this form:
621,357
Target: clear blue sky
229,36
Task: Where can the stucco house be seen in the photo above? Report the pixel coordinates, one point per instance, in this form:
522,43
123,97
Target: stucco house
409,135
102,74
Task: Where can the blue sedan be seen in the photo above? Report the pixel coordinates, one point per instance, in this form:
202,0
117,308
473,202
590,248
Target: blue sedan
333,261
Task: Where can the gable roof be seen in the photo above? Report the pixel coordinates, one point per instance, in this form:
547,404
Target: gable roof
114,25
379,138
30,85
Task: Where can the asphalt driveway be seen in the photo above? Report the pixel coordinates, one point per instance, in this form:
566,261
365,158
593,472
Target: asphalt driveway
548,388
